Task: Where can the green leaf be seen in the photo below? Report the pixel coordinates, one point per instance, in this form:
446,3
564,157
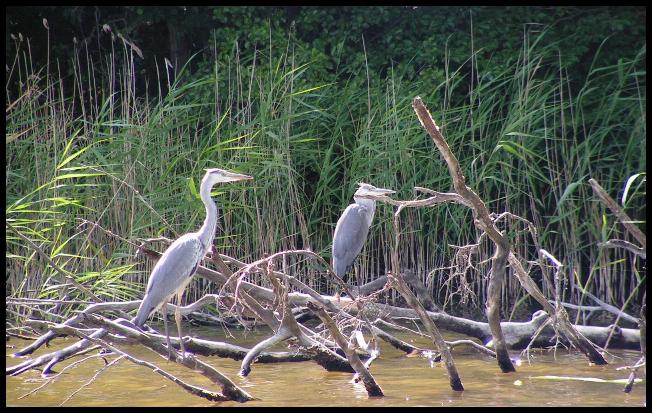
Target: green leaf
567,192
193,187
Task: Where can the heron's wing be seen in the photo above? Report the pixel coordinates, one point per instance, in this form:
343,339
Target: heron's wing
177,264
350,234
172,271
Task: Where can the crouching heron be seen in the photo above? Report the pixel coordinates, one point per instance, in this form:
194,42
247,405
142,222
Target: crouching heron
175,268
353,226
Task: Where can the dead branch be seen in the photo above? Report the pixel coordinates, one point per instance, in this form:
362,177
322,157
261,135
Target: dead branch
53,378
373,389
483,221
53,358
633,371
395,342
229,389
288,327
411,278
92,379
624,219
608,307
560,317
480,348
433,331
95,308
619,243
198,391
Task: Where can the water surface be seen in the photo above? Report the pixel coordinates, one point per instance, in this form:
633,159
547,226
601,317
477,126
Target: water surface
406,381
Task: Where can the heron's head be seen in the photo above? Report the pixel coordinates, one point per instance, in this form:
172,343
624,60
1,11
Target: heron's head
370,191
216,175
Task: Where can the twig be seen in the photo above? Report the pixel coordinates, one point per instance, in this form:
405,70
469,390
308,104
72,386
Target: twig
373,389
617,211
92,379
399,284
619,243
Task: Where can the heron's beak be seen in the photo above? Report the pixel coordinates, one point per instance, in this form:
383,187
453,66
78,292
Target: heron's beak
228,176
376,193
234,177
383,191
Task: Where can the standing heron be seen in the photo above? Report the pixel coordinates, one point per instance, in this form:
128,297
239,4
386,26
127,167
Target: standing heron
175,268
353,226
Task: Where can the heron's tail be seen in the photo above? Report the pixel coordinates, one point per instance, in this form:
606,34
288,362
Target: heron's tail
339,267
143,313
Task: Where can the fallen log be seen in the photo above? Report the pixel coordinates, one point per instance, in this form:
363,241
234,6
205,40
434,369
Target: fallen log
517,334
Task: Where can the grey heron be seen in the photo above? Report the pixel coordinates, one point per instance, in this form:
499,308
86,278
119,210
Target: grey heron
175,268
353,226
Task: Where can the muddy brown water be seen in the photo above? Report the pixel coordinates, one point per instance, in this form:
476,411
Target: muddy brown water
406,381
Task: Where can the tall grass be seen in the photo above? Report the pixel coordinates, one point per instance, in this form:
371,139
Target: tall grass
86,147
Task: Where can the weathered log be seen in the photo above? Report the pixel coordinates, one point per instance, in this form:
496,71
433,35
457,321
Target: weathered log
517,334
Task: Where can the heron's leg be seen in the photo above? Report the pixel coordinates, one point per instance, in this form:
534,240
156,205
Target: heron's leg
167,332
358,279
177,317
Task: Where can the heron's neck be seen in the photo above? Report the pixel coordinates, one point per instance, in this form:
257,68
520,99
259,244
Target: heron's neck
369,204
207,230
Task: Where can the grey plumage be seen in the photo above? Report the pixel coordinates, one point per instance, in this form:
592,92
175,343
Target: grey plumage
175,268
172,272
353,227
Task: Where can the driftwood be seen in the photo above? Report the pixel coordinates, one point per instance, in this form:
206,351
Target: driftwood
433,331
288,327
517,334
373,389
484,222
468,198
230,391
